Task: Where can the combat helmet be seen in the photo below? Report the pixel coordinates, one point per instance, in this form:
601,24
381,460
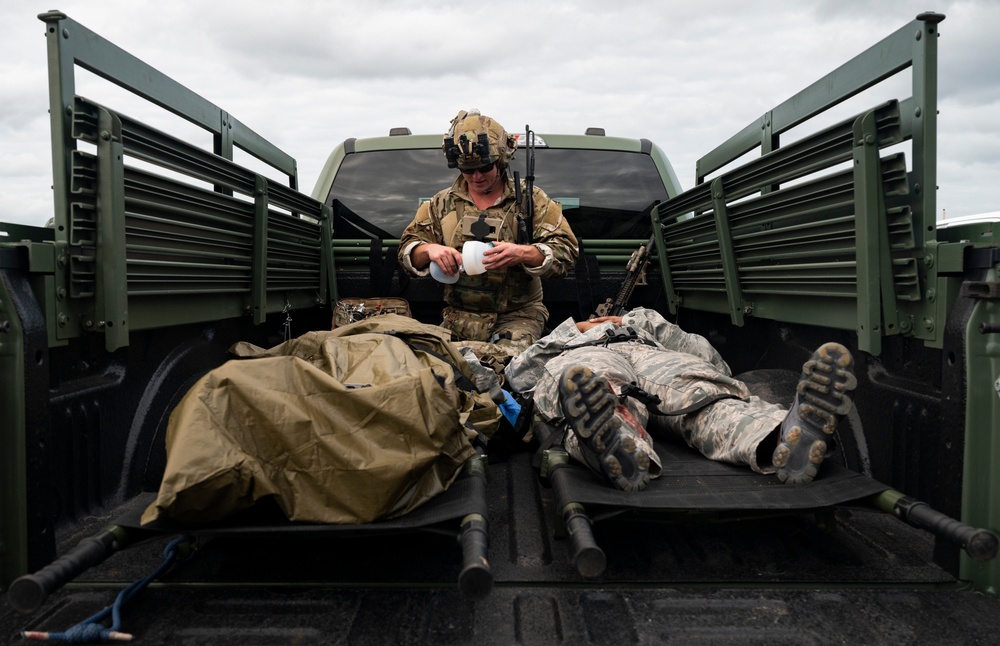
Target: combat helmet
474,140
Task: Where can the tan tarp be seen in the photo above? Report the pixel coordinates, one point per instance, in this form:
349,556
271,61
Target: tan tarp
342,426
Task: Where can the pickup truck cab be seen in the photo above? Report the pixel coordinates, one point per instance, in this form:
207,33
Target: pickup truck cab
607,187
603,183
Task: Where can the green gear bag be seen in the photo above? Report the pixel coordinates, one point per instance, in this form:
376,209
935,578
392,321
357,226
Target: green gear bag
363,422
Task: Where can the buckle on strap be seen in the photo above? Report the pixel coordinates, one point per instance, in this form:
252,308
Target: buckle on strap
632,389
624,334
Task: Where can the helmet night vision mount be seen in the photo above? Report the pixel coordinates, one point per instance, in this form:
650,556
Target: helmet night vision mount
467,149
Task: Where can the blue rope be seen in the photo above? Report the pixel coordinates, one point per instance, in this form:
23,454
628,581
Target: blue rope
91,630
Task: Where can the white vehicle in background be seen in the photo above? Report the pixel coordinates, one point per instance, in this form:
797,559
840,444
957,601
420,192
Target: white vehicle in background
977,227
977,218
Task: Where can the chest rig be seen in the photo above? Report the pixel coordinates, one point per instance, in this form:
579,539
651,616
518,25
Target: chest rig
496,290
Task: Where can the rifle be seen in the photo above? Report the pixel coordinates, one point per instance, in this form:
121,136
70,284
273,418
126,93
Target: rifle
525,221
634,268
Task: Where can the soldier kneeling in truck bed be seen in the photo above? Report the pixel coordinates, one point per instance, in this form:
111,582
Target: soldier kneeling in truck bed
609,379
528,238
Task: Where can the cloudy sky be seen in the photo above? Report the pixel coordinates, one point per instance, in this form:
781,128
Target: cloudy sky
307,74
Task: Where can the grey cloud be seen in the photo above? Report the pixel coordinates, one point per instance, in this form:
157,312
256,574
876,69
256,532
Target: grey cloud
307,75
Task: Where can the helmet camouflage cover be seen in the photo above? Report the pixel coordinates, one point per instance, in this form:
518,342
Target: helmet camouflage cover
466,148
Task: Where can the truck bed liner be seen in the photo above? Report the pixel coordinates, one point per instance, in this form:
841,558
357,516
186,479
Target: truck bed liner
783,579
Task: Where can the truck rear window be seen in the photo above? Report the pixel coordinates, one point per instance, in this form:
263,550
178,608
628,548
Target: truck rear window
603,192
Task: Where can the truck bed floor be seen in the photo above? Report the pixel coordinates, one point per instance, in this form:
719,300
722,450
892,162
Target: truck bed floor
775,580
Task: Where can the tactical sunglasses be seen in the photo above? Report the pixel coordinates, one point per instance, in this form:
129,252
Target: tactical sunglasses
482,169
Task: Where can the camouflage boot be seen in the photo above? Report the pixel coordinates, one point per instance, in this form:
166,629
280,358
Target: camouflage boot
588,404
822,399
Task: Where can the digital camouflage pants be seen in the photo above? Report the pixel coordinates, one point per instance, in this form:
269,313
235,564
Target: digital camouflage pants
710,411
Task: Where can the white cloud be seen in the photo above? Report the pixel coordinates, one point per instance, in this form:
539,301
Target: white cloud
308,74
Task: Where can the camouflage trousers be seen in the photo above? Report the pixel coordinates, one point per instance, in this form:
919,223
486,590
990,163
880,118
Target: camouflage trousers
516,329
496,338
710,411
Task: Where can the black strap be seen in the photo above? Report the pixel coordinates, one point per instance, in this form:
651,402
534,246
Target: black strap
633,390
345,216
375,267
623,335
696,406
548,435
380,271
383,270
523,422
587,274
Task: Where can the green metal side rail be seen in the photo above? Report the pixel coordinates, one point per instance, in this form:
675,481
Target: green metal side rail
831,228
180,234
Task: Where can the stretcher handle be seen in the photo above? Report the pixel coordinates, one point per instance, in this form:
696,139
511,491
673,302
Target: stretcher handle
979,544
588,558
29,592
476,579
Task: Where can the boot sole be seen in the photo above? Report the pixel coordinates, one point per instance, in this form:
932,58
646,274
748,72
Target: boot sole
589,407
822,400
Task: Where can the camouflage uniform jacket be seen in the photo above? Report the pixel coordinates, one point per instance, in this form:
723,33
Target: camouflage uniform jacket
699,400
446,219
526,370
